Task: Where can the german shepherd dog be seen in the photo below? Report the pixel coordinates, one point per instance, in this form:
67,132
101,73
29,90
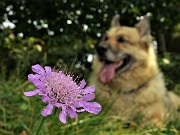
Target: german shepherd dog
126,68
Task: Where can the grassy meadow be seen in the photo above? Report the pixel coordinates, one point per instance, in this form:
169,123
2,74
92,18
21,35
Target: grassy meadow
20,115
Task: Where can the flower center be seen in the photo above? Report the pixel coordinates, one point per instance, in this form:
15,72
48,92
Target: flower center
61,88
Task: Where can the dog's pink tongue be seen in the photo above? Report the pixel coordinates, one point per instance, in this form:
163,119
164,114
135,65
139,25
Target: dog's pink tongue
107,72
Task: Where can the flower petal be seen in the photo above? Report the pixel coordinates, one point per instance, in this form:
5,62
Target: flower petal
62,116
88,97
45,98
32,93
48,69
39,84
33,78
81,110
72,113
47,110
89,89
82,84
91,107
77,104
58,105
38,69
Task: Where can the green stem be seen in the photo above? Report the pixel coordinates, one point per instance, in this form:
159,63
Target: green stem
42,121
55,110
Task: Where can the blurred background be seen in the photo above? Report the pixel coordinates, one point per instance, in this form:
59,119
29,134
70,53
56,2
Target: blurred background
64,33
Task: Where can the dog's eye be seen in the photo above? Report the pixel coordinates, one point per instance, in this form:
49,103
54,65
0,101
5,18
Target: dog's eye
121,40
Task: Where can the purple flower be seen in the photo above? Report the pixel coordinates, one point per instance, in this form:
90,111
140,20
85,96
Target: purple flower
60,90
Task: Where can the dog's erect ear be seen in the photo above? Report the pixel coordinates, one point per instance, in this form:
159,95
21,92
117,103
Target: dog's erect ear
144,26
115,21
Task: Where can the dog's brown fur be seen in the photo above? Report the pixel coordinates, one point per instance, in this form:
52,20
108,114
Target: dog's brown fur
140,89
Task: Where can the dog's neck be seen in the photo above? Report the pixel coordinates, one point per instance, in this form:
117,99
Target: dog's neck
136,78
135,90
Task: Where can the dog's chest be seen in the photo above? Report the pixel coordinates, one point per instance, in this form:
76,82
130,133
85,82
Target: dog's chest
120,102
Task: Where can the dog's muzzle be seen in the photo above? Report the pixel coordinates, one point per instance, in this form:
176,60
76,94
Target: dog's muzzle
113,61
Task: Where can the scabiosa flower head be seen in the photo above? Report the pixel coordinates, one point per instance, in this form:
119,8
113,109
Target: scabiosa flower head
62,91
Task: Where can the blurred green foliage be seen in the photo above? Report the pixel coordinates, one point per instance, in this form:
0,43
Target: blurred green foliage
170,66
40,18
64,33
15,51
65,52
55,33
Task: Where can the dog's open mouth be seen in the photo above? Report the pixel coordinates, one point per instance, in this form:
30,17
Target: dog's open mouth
110,68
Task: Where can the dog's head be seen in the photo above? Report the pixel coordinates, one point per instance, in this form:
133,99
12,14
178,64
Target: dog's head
123,49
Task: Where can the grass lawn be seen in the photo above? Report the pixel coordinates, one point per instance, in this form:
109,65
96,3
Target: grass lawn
20,115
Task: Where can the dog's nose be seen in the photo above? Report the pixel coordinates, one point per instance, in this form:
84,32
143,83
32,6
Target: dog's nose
101,50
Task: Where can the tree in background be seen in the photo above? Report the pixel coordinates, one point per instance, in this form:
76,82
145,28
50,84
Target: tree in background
54,32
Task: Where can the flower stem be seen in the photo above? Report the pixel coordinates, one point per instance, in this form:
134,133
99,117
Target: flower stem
42,121
55,110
